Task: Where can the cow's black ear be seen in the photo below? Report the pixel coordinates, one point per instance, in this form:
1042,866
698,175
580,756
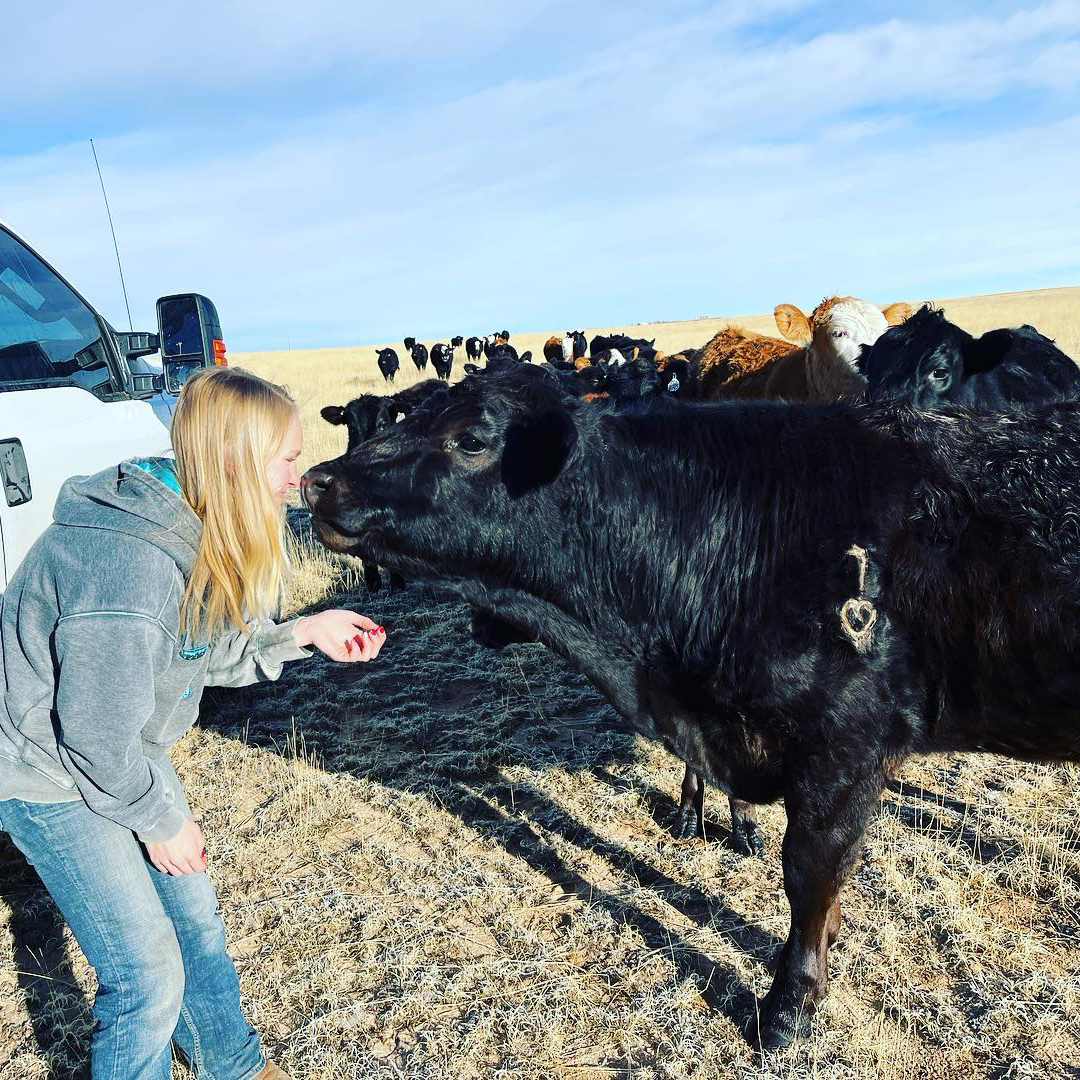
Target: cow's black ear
333,414
985,353
537,447
526,357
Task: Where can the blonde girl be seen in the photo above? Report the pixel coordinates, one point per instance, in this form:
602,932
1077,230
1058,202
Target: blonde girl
157,578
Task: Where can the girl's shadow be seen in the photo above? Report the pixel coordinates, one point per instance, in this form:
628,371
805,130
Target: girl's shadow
58,1008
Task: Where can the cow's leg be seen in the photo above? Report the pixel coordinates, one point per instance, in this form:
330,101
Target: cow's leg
824,831
372,578
745,835
396,581
690,817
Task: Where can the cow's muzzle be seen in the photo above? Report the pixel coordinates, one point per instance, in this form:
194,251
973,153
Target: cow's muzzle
314,484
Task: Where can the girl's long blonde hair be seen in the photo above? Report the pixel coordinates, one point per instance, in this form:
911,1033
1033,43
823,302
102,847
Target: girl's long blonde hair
227,427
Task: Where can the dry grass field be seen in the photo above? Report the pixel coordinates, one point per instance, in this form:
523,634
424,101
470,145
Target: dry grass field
453,863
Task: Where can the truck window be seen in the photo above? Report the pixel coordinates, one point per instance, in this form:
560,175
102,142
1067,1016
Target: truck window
48,336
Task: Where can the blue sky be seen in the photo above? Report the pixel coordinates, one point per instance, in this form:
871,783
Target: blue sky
343,172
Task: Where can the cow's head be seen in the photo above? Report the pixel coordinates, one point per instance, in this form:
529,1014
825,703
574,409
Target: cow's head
438,489
833,335
928,361
675,375
364,416
839,326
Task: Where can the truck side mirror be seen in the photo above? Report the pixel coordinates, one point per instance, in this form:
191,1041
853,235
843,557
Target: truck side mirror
189,332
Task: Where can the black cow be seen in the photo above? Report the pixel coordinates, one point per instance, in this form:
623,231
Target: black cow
388,364
929,362
495,340
442,360
503,352
457,341
574,345
821,609
677,376
418,352
366,416
474,348
369,414
625,345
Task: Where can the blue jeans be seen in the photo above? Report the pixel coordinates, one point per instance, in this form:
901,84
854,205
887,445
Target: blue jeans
157,944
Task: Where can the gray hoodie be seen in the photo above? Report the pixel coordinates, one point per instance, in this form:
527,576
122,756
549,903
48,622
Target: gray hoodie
97,684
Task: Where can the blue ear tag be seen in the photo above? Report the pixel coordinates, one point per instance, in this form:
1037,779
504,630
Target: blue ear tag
193,653
673,386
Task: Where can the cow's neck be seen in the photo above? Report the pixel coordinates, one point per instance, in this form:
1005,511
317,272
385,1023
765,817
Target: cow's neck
829,378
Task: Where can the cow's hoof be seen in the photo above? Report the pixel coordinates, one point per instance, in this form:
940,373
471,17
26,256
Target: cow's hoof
780,1027
747,840
684,825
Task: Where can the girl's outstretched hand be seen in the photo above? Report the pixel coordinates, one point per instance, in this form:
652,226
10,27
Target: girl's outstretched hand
346,636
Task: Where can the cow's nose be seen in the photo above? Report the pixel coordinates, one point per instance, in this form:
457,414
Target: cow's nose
314,484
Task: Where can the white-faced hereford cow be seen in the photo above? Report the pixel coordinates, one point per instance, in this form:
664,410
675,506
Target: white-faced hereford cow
817,362
822,609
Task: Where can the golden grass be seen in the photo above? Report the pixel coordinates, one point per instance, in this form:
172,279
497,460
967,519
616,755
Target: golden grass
454,863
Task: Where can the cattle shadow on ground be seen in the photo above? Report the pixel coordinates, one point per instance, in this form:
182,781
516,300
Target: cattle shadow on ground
695,905
959,834
937,799
58,1009
438,716
661,807
720,987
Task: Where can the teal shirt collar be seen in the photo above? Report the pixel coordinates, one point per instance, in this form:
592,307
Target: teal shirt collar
163,469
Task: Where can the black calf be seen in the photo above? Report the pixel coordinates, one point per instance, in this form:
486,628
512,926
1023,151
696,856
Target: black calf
388,364
442,360
418,352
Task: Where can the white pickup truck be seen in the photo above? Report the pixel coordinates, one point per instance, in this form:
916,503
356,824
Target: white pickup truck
76,395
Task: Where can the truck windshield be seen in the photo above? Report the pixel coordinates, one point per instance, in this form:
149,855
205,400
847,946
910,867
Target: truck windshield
46,331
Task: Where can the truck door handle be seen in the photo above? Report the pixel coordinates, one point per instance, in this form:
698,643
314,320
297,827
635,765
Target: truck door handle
16,475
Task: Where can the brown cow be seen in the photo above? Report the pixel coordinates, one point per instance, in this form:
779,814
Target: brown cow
553,348
815,363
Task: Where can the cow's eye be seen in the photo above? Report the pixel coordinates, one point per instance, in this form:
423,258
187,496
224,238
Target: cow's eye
939,374
468,444
839,333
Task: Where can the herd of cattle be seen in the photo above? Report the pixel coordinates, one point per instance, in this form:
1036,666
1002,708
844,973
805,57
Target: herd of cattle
495,346
794,594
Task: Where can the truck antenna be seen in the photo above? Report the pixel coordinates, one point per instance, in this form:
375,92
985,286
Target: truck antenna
116,246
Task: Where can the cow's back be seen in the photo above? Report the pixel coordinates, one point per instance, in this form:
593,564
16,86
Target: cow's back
738,363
